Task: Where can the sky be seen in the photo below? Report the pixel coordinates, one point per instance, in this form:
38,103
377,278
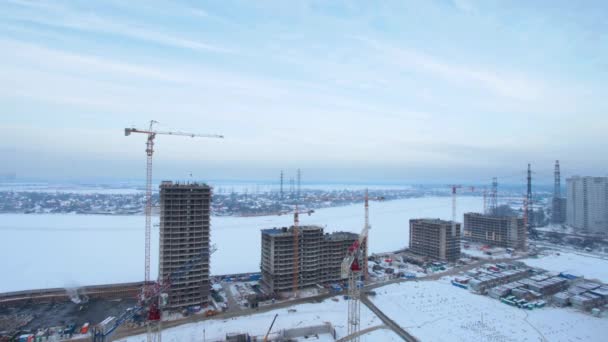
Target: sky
411,91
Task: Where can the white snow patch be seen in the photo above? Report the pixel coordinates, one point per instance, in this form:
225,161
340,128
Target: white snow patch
588,265
384,335
257,324
438,311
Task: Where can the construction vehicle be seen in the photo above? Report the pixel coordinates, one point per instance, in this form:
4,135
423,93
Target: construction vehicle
210,313
148,288
270,328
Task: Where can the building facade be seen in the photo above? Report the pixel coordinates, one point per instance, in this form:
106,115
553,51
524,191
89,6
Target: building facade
184,238
500,231
558,210
319,255
587,203
433,238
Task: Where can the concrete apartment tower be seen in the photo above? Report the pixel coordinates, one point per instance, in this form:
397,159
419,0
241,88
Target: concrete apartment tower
184,235
433,238
500,231
587,203
320,257
558,207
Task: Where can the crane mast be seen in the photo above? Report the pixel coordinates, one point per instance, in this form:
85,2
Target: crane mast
148,288
296,248
351,269
296,252
365,240
148,209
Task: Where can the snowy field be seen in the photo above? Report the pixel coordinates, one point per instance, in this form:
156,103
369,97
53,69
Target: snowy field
438,311
65,250
588,265
380,335
71,188
257,324
218,185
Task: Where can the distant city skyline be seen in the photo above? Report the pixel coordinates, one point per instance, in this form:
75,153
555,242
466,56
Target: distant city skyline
353,91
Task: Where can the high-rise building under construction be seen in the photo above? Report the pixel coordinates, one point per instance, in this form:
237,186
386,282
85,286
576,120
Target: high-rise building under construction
319,257
184,236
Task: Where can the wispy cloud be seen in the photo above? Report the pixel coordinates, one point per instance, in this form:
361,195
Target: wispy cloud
298,87
500,83
60,16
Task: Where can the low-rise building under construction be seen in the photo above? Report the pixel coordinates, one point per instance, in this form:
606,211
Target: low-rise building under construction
319,256
434,238
500,231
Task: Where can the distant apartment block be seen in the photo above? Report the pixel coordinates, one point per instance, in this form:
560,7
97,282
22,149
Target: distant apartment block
433,238
184,236
320,256
587,203
559,210
500,231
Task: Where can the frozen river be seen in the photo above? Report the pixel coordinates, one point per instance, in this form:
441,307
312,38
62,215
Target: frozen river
62,250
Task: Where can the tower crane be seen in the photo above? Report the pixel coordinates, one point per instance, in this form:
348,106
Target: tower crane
365,243
454,192
351,269
151,134
151,299
454,188
270,328
296,247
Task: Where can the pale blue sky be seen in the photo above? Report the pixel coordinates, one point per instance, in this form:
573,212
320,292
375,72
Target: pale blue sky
355,90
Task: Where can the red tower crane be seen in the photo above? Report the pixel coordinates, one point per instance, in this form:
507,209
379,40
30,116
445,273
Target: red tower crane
351,269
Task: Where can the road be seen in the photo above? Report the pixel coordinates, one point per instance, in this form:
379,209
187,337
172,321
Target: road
387,321
233,306
362,332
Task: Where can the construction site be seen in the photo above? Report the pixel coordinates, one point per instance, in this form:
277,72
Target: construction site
318,261
299,265
184,234
435,238
508,232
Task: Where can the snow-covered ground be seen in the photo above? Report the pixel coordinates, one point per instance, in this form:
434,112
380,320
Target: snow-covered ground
257,324
60,250
438,311
71,188
478,250
380,335
588,265
219,185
